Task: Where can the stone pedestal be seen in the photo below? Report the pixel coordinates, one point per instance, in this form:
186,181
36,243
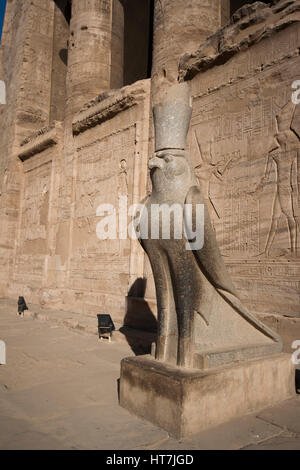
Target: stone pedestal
187,401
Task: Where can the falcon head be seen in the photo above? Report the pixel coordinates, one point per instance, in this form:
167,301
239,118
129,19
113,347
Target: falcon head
169,168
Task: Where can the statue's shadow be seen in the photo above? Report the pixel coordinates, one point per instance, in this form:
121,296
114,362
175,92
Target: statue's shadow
140,325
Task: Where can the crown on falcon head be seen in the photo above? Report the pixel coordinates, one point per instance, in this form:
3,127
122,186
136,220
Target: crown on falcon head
172,118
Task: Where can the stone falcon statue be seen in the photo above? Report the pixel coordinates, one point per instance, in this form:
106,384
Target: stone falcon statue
201,321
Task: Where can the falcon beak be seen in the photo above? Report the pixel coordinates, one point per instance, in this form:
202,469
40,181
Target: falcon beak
156,162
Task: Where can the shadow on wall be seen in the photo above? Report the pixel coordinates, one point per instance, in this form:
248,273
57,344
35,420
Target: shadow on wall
65,7
140,324
297,381
236,4
138,34
63,54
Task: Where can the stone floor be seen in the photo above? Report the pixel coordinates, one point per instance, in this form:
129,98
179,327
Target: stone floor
59,390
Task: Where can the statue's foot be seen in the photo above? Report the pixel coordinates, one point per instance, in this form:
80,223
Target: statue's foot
185,353
161,349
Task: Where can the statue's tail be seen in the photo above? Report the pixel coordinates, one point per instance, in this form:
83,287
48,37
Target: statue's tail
237,305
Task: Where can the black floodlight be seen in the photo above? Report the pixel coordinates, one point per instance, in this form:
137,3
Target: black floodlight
105,325
22,306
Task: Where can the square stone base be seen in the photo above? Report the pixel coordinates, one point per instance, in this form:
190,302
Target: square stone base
185,402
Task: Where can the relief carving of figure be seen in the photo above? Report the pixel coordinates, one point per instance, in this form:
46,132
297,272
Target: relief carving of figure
207,172
284,157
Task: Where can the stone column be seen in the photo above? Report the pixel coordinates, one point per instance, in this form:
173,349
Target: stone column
117,46
180,27
95,58
59,62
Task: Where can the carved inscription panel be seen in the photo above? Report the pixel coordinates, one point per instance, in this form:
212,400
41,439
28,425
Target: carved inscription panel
34,225
244,143
104,174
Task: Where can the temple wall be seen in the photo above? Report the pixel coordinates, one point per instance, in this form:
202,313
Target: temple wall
26,70
84,144
60,262
111,161
35,238
238,110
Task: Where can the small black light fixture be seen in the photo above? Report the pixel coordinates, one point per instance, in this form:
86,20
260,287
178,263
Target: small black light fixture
105,326
21,306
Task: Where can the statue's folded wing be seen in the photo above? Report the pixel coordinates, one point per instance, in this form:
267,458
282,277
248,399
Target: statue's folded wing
209,258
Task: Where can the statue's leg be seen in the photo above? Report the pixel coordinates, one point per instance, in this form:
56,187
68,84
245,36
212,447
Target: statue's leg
186,314
167,337
186,338
167,334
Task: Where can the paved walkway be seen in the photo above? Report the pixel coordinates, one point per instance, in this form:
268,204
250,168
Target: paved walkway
59,390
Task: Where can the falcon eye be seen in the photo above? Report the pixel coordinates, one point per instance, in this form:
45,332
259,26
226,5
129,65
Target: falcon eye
168,159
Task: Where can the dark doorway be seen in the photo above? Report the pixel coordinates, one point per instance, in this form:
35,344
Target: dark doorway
138,33
236,4
62,17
